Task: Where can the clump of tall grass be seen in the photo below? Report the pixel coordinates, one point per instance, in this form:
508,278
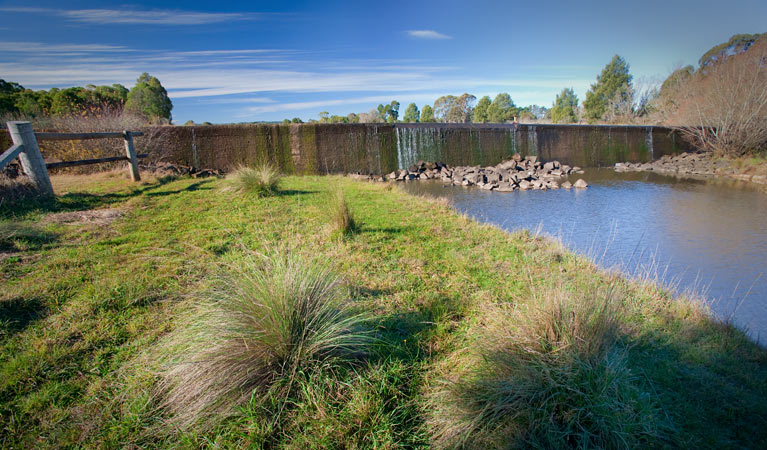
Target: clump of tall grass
343,221
262,180
549,373
268,318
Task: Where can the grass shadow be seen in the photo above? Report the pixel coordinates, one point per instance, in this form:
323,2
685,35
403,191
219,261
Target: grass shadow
17,313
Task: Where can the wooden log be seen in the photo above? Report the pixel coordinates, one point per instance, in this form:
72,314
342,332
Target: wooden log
32,161
85,162
10,154
45,136
130,153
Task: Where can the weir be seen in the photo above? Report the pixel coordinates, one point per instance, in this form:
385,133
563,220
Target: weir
381,148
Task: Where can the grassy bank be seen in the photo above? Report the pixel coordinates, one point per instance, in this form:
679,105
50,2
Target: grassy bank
96,283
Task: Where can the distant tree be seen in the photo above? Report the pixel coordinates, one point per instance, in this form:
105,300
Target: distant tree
539,112
453,109
149,99
284,122
502,109
352,118
324,117
389,113
8,94
613,86
427,114
481,110
412,115
296,120
190,123
370,117
737,44
565,109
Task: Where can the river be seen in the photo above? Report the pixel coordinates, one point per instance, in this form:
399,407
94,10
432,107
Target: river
707,236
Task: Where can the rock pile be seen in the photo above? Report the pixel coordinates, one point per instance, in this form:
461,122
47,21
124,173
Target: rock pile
518,173
695,164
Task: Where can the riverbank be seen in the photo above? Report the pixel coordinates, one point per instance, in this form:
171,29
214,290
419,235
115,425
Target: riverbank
94,281
750,169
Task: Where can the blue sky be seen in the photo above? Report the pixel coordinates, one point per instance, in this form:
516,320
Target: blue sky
249,61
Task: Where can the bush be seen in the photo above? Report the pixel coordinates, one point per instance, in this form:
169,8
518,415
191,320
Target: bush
545,374
267,319
262,181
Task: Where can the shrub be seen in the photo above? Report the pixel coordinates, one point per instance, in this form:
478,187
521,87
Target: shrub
344,223
544,374
267,319
262,180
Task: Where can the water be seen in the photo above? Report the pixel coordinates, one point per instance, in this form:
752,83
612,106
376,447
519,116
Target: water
708,236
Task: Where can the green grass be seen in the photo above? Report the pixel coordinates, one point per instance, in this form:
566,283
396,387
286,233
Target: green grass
84,315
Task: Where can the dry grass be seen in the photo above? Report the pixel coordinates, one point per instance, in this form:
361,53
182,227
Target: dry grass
548,373
268,318
15,190
262,181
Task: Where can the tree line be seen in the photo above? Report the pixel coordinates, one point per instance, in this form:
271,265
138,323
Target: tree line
147,99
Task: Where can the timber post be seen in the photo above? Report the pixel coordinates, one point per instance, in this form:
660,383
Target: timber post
130,153
32,161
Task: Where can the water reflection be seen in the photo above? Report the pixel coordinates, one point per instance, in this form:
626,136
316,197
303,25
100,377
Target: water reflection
707,235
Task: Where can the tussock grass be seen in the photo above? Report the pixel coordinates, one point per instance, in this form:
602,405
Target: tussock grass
262,180
343,221
548,373
270,317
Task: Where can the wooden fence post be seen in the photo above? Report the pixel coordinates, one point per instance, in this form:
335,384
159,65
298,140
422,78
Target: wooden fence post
130,152
32,161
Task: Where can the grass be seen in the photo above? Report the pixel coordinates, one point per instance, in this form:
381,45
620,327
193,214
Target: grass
546,373
342,219
261,181
85,316
266,319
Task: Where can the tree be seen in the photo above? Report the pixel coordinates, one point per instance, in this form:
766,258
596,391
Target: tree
737,44
565,107
480,111
412,115
502,109
296,120
427,114
8,94
324,116
389,113
453,109
149,99
613,85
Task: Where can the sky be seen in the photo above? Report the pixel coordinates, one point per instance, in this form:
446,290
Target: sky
265,61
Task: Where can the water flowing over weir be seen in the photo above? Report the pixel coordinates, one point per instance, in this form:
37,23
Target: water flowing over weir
381,148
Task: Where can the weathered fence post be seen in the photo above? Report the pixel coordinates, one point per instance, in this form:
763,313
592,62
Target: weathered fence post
130,152
32,161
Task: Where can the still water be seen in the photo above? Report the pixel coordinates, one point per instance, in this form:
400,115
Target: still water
709,236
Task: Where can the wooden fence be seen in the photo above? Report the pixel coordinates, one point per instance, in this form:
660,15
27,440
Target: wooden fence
25,147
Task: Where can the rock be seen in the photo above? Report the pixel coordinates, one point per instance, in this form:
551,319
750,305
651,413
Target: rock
392,176
556,173
567,185
552,185
413,168
516,157
576,169
410,176
532,158
580,184
548,166
524,185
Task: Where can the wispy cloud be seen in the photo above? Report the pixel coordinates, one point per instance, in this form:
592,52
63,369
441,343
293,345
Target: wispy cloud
138,16
427,34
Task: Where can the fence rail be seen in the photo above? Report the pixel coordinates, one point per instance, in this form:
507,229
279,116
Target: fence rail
28,151
46,136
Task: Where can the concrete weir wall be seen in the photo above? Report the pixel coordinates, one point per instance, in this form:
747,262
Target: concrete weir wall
382,148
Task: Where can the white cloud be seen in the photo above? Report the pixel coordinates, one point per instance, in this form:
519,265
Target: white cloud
427,34
134,16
